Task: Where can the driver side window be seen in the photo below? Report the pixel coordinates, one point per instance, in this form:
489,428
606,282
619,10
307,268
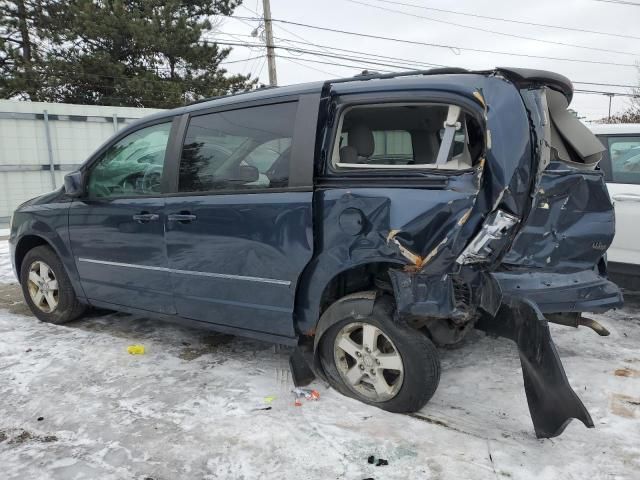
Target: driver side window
132,166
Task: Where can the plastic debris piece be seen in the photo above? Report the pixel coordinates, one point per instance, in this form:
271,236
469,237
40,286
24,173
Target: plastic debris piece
371,459
298,392
269,399
306,393
135,349
382,462
261,407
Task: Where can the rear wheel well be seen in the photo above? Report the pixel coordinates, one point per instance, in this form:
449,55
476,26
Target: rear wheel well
26,243
370,276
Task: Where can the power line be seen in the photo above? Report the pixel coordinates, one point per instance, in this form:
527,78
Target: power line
606,84
330,63
375,55
238,61
413,62
332,51
612,94
448,47
368,62
290,59
322,54
261,67
280,27
620,2
510,20
485,30
598,92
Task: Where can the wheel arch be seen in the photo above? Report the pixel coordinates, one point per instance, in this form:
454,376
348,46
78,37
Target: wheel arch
321,288
357,305
27,243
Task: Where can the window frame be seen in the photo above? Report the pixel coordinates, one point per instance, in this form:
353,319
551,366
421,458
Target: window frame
91,162
302,145
343,103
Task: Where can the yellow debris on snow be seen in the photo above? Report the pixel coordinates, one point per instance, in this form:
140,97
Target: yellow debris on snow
135,349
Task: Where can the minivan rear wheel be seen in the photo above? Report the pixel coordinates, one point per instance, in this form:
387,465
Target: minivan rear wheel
379,361
46,287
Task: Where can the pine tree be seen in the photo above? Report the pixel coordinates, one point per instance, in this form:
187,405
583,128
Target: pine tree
151,53
21,50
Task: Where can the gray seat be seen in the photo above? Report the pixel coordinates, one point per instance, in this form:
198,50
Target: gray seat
360,145
425,146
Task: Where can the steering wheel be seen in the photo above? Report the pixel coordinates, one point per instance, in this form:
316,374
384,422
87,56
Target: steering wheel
151,179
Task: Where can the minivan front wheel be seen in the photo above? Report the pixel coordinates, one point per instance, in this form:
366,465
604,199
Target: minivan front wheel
47,288
381,362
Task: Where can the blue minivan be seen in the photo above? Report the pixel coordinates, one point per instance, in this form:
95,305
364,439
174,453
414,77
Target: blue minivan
364,221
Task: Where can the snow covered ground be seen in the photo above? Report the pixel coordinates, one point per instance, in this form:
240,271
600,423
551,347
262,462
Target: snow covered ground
6,274
74,404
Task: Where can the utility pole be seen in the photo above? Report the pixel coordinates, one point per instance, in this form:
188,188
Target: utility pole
271,53
610,95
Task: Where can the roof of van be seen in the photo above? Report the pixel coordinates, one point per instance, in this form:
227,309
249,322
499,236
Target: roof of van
614,128
367,82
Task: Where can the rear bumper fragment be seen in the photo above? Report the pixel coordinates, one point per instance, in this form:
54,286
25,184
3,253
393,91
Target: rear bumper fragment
585,291
552,402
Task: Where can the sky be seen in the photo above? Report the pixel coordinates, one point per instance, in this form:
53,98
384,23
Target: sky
362,16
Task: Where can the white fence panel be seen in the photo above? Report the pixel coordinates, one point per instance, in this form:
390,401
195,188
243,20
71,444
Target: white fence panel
27,167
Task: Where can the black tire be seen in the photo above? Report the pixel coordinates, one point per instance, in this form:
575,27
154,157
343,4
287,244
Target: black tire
68,307
419,357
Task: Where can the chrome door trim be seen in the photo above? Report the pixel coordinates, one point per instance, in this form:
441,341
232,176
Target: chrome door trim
188,272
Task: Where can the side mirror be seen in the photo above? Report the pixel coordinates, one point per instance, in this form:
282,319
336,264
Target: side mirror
74,184
247,173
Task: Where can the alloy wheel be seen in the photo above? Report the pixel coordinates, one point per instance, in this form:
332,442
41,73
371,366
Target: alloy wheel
368,361
43,286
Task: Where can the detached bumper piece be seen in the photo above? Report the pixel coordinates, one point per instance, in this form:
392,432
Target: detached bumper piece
552,402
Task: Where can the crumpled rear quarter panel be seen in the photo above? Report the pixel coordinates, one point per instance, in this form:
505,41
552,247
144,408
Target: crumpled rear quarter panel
571,223
433,222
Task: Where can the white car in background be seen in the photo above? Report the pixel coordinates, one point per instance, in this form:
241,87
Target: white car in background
621,164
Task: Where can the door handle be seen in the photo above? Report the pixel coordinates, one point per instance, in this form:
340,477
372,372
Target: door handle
629,197
146,217
181,217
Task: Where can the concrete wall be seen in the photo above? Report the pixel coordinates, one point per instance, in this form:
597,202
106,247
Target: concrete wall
75,131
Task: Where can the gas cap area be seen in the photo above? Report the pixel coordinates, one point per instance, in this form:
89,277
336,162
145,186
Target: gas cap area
352,221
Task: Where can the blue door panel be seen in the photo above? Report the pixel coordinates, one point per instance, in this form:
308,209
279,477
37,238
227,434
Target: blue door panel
239,261
121,260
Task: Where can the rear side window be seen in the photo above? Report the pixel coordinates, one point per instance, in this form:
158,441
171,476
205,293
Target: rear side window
407,136
238,149
624,152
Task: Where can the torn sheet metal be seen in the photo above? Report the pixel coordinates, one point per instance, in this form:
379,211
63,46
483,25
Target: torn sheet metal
491,240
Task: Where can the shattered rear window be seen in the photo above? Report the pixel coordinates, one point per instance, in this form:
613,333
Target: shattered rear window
407,136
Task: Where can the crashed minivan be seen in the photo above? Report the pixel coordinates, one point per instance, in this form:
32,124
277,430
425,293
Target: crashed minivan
364,221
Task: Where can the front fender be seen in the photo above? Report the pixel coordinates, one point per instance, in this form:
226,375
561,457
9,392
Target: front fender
47,224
